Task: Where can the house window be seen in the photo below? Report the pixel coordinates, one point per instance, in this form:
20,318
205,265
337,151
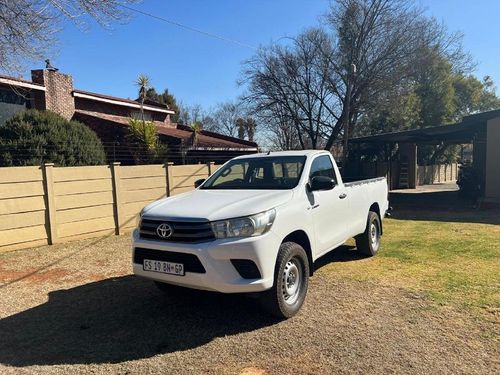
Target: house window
137,115
11,103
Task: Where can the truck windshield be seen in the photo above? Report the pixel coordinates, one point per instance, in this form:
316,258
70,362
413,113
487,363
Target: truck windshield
277,173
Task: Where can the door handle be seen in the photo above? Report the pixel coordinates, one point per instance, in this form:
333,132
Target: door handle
342,196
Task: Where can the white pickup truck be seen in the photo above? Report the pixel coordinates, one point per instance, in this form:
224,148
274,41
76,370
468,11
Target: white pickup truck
257,225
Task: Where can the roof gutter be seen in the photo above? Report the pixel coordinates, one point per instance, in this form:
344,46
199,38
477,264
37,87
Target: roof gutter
118,102
230,148
13,82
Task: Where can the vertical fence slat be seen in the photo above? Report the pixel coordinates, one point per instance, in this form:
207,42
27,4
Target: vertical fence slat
48,181
169,176
117,195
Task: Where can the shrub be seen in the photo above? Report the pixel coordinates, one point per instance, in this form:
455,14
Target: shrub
144,143
469,182
35,137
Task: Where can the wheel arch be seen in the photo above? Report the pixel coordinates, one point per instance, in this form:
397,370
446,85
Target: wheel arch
376,208
301,238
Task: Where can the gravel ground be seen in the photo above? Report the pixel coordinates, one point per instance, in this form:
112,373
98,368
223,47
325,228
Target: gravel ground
75,308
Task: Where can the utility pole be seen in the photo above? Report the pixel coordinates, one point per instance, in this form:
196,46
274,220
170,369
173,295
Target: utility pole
347,111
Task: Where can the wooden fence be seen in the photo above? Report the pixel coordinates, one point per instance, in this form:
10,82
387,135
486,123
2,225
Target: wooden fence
431,174
426,174
46,205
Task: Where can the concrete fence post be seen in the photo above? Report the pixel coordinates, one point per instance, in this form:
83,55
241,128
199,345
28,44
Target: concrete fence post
48,181
210,166
117,195
169,177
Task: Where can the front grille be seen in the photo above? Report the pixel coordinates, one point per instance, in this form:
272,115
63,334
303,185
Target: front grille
190,261
198,231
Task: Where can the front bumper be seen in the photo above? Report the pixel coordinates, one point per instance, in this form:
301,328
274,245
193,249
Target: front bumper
215,256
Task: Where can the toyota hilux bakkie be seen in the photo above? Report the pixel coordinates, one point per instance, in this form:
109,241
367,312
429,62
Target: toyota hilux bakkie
257,225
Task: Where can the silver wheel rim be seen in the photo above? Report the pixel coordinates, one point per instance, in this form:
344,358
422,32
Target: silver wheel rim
292,281
374,236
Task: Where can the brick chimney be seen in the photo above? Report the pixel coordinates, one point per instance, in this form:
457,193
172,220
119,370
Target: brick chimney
58,95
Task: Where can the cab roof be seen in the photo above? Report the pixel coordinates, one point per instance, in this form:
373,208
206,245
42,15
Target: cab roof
306,153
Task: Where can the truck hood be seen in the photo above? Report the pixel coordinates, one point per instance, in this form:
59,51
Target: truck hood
216,204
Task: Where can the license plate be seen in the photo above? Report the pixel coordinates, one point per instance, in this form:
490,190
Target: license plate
163,267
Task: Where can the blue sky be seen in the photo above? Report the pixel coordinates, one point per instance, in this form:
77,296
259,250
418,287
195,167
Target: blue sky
201,70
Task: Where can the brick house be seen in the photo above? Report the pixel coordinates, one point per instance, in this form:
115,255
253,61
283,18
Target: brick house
109,117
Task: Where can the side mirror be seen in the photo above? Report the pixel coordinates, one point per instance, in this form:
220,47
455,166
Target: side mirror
198,182
321,183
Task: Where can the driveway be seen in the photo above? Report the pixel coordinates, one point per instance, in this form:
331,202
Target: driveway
75,308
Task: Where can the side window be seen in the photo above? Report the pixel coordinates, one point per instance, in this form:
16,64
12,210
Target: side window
138,116
322,166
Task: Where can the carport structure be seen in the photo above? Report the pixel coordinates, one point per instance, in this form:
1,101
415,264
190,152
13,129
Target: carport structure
482,130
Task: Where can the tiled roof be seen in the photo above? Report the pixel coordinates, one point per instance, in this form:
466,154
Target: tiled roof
205,139
150,106
159,105
121,120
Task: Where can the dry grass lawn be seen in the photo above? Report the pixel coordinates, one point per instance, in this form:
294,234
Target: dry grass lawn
427,303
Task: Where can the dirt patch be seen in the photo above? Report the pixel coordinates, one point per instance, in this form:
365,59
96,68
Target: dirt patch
99,319
252,371
8,276
33,275
51,276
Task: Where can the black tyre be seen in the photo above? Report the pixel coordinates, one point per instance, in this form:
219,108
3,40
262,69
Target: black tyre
368,242
291,279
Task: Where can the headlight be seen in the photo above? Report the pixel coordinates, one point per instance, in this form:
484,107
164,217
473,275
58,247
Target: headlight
248,226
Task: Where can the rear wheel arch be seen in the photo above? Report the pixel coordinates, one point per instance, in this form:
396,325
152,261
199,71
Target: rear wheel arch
376,208
301,238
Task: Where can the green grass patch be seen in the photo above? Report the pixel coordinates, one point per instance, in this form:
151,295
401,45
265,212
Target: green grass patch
449,262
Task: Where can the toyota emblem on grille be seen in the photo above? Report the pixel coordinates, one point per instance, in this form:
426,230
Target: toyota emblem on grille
164,230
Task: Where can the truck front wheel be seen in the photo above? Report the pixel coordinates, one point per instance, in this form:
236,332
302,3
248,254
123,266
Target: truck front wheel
368,242
291,279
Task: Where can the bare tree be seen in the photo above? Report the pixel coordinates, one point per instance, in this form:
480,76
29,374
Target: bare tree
225,117
323,81
28,28
276,131
251,128
240,124
293,81
194,114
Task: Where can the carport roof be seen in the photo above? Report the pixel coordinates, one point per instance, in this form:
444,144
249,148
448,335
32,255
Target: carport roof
461,132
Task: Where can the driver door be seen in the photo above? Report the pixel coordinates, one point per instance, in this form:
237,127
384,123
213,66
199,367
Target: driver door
329,208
